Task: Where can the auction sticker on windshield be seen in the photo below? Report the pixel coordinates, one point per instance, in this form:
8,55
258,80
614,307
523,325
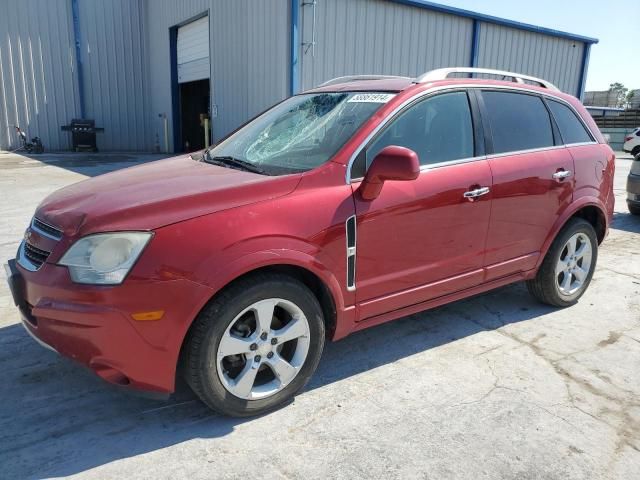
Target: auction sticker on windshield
371,98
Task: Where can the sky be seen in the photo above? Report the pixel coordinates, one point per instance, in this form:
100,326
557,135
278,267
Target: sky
614,22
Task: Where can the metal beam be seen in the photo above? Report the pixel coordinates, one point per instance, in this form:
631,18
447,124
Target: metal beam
475,40
583,74
294,66
79,73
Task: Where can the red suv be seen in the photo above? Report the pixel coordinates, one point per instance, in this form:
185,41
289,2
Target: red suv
352,204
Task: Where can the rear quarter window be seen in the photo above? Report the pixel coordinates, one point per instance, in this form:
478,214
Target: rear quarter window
518,121
571,128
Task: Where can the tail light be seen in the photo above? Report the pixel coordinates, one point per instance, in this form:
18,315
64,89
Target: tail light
626,139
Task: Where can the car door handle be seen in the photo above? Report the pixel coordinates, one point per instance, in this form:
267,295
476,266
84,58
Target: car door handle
562,174
478,192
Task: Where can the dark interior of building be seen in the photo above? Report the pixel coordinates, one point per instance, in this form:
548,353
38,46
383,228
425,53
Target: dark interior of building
194,107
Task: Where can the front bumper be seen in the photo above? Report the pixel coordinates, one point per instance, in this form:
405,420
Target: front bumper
93,324
633,189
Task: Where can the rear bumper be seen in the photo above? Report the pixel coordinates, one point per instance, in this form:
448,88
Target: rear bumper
633,189
93,325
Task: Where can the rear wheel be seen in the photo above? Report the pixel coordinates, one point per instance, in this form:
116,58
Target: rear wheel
255,346
568,266
633,209
635,151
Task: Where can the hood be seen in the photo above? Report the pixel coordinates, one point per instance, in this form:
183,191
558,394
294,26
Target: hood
156,194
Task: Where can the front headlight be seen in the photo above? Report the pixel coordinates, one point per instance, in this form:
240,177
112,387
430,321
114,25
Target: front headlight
104,258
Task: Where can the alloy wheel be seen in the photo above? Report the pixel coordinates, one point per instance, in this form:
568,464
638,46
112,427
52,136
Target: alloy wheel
574,264
263,349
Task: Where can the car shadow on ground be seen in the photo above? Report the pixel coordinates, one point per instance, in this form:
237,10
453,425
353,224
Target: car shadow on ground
57,419
626,222
89,164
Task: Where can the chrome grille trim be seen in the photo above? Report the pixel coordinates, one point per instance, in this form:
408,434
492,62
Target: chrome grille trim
45,229
24,260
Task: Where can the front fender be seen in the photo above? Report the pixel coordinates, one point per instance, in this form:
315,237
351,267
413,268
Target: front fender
218,277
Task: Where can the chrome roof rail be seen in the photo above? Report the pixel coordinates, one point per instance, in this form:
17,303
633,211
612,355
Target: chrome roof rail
443,73
357,78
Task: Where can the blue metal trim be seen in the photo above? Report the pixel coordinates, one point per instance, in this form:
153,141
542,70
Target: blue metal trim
583,74
294,67
496,20
475,42
175,100
76,35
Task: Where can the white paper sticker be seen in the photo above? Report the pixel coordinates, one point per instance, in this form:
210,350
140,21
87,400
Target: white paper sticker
371,97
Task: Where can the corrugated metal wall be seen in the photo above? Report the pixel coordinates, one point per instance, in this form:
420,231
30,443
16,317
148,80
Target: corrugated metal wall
38,88
113,63
249,57
382,37
555,59
127,66
379,37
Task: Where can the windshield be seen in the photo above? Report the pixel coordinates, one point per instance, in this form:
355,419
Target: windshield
300,133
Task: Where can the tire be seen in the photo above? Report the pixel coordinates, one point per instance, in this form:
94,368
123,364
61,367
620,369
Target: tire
633,209
559,288
635,151
231,318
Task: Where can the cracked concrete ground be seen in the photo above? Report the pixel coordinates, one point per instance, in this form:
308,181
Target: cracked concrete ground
497,386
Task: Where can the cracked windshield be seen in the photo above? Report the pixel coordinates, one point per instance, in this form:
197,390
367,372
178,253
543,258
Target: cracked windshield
300,133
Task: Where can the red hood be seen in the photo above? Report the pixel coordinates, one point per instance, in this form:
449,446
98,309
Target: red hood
156,194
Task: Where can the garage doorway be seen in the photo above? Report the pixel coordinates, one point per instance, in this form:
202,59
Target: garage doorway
193,89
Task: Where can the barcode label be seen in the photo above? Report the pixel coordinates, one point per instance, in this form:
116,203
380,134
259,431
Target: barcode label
371,97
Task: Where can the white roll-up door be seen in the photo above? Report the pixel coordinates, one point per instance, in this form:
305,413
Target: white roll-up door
193,51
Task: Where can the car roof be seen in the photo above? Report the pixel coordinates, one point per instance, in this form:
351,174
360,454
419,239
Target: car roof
381,84
399,84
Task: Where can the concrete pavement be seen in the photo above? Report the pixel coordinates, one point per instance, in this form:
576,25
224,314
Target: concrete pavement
497,386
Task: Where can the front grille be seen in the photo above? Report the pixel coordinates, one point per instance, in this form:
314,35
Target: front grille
46,229
35,255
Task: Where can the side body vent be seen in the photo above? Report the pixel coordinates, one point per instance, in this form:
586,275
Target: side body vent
351,252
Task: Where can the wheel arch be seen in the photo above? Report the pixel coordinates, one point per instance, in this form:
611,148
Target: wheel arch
589,209
322,284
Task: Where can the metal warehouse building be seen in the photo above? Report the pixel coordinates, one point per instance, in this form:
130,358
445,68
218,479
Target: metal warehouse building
129,64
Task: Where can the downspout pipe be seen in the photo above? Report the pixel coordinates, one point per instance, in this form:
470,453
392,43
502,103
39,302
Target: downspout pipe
79,74
294,53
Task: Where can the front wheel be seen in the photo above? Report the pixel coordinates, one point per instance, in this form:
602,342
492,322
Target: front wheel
568,267
255,345
634,209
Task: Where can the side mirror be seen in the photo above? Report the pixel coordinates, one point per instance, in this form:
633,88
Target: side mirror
391,163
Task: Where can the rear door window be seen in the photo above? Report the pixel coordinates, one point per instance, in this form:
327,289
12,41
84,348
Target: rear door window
518,121
571,129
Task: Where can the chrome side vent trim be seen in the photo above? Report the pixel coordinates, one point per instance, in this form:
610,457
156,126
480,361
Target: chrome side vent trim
350,226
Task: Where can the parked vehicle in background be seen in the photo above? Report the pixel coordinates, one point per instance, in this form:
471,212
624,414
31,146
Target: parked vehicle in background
633,186
358,202
632,143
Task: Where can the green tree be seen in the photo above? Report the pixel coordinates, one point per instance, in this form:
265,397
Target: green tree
620,92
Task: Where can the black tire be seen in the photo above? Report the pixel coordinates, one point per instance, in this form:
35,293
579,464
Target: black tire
635,151
633,209
211,324
544,286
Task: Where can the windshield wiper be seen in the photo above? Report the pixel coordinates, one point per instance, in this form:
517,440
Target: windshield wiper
234,162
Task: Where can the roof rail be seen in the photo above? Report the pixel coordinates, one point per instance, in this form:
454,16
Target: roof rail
443,73
357,78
